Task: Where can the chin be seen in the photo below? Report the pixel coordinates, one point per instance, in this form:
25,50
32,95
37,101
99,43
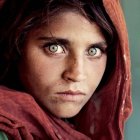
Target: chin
64,109
66,114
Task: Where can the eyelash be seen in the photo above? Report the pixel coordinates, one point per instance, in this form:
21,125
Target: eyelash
49,44
100,49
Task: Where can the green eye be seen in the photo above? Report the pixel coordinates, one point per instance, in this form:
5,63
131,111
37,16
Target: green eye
95,52
55,48
92,51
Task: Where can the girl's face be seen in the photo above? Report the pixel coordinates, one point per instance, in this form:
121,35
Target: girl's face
63,63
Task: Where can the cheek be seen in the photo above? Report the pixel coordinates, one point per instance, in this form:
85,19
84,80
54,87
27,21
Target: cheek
96,71
37,73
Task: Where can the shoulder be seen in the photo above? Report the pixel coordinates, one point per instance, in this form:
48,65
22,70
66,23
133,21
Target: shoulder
12,101
7,94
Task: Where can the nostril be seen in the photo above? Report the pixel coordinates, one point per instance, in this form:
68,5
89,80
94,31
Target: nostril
74,76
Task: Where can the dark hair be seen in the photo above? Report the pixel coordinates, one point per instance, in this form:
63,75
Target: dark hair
19,17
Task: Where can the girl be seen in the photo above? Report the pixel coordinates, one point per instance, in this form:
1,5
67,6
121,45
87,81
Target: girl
64,70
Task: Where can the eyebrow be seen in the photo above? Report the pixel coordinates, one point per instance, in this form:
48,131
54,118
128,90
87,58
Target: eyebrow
67,42
56,39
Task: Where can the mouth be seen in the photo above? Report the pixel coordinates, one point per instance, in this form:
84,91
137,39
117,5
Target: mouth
70,96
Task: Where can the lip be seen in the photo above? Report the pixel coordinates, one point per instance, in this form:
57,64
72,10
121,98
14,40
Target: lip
70,96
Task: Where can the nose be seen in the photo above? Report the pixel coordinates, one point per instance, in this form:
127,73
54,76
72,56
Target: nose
75,70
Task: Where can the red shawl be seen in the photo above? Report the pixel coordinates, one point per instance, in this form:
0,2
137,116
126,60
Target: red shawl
101,119
22,118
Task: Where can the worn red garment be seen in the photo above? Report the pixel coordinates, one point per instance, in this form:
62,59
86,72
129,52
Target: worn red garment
22,118
102,118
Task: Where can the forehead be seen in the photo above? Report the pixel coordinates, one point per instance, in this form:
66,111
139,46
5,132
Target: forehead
70,18
68,22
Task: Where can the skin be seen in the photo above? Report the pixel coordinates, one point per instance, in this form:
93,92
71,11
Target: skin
47,69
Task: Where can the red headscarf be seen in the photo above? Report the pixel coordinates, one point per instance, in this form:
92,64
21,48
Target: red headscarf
103,116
